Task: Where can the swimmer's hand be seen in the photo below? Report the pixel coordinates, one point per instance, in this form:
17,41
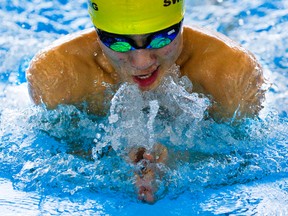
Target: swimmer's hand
146,169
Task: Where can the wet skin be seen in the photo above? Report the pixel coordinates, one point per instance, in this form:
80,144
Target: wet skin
145,67
78,68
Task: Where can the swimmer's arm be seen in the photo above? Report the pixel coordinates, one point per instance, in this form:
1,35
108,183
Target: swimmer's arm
49,79
219,67
71,71
237,90
146,171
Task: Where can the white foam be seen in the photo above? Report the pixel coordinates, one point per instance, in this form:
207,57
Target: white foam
133,114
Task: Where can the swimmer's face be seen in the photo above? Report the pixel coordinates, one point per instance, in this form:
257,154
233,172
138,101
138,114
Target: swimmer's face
145,67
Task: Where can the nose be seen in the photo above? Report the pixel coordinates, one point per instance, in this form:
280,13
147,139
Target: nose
142,59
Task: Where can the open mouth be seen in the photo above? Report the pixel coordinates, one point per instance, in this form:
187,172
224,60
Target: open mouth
147,79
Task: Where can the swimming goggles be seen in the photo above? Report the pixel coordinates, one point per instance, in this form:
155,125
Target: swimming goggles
156,40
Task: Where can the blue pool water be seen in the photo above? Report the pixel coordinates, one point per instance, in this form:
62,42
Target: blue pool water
232,170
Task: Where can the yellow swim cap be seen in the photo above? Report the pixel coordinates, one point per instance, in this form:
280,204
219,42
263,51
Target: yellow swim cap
135,16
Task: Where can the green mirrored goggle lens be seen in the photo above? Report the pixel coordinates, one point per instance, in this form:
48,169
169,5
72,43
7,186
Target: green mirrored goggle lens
159,42
124,43
121,46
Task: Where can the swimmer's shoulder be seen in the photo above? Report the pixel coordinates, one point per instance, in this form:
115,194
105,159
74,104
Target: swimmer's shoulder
70,70
220,67
199,42
81,46
208,53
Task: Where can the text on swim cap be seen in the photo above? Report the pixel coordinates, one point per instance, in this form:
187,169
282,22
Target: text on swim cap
166,4
169,2
95,6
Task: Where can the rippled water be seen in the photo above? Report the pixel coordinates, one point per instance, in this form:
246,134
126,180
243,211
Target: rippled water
49,160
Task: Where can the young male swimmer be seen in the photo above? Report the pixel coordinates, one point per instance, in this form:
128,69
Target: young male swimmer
137,42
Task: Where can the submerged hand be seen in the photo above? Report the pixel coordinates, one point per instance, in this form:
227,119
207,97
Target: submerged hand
147,170
145,181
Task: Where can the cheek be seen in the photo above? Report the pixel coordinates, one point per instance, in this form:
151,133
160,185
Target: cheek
119,56
173,50
170,51
120,62
115,57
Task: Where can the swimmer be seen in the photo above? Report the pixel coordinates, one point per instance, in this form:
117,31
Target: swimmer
137,42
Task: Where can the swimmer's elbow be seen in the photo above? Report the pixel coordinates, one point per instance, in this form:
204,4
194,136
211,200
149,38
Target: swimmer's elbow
244,101
33,90
38,99
39,85
250,91
250,108
235,112
254,93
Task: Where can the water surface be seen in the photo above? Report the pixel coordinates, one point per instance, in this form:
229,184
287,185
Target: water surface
230,171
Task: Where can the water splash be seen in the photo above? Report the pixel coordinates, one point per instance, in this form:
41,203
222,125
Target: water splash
154,108
138,118
36,145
